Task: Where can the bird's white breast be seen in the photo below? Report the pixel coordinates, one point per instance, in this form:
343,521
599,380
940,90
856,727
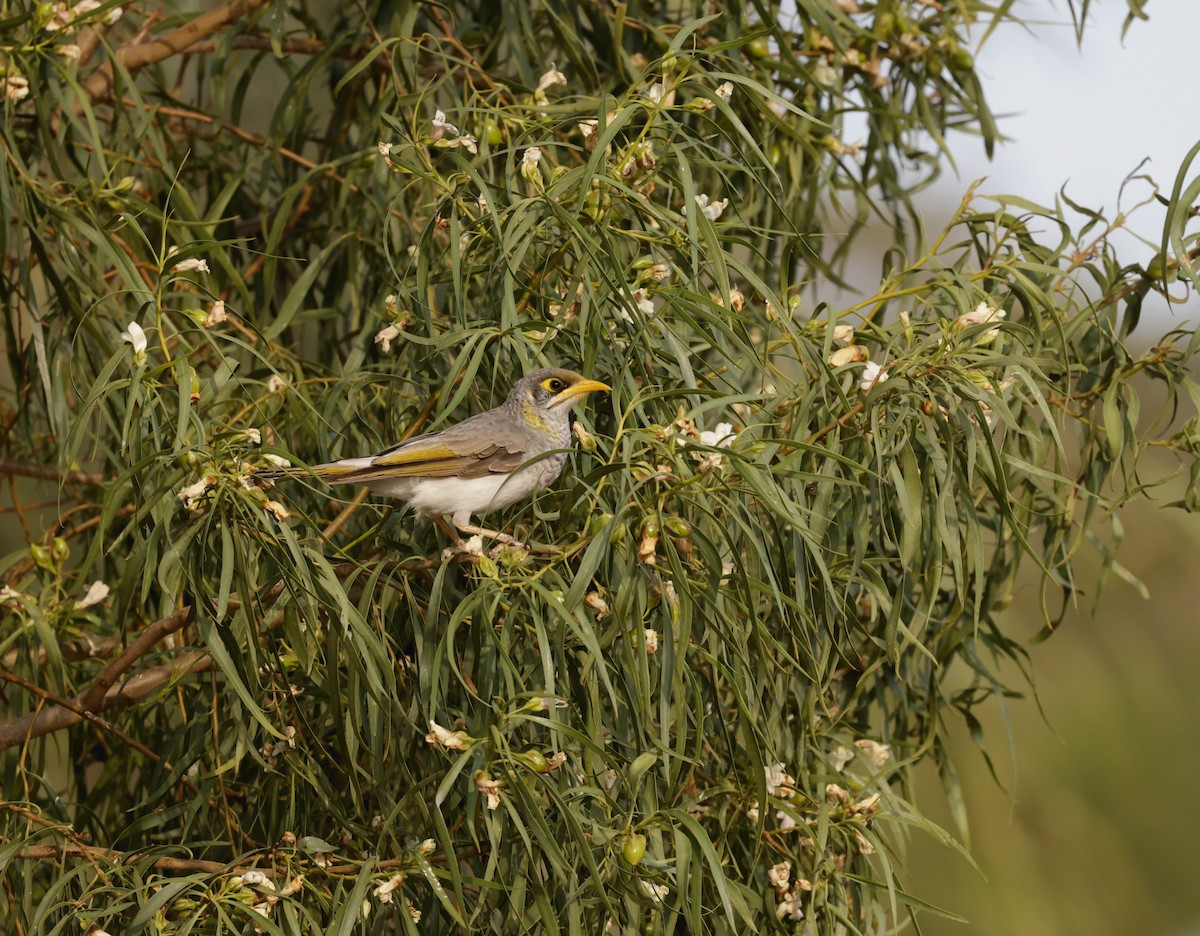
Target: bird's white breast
461,498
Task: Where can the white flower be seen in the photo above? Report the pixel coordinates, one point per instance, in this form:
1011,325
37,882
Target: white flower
96,593
785,819
473,546
441,127
275,383
384,891
412,910
651,637
191,265
879,754
444,737
216,315
851,354
385,336
277,510
721,437
134,335
837,792
550,79
253,436
872,374
843,334
789,908
385,149
484,207
467,142
113,14
864,846
752,813
656,892
70,52
427,847
82,9
779,781
824,74
780,876
530,158
982,314
725,90
587,130
840,758
489,788
905,318
655,92
866,805
273,750
711,210
256,878
595,602
190,495
556,760
278,461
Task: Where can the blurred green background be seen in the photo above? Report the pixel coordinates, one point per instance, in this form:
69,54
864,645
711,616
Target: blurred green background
1093,830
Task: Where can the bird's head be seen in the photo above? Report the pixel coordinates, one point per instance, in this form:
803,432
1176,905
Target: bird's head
553,390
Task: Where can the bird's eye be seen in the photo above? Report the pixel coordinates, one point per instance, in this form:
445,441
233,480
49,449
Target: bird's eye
554,385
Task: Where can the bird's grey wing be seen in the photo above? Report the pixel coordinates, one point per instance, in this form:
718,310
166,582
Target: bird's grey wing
463,450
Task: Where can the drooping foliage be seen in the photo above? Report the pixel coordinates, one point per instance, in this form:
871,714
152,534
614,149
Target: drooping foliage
773,572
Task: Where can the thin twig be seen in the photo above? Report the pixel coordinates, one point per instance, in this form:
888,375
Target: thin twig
133,58
48,472
73,706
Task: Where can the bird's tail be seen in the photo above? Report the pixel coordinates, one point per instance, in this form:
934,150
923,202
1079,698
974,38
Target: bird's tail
331,473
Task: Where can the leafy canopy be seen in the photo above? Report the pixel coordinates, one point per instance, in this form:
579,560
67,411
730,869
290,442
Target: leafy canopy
772,573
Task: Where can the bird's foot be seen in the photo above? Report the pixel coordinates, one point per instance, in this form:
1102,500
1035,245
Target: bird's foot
514,548
473,546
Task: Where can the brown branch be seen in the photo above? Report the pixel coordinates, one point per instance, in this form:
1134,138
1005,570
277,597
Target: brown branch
41,852
185,865
94,695
136,57
46,721
248,137
48,472
292,47
73,706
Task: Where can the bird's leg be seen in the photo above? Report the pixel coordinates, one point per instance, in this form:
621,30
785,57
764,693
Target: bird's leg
502,538
450,531
460,546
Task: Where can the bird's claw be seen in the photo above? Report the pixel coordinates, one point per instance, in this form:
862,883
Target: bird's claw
508,543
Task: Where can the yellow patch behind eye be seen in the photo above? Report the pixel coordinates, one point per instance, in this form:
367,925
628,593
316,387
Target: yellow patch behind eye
532,417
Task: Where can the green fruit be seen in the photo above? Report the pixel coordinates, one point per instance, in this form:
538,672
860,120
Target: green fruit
759,48
677,526
41,556
492,133
634,849
535,760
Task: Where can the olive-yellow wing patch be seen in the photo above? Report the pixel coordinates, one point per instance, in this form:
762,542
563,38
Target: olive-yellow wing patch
425,459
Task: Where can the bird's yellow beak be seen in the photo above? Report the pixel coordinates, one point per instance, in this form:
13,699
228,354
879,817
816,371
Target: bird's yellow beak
579,389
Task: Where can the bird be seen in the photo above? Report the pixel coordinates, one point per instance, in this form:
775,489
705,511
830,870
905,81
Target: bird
482,464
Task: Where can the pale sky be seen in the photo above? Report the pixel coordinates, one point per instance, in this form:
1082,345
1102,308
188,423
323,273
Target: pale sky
1085,115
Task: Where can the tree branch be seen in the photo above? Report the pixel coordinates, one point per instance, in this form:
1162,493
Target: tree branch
136,57
48,472
56,718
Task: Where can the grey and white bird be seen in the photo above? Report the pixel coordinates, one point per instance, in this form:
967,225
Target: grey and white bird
484,463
